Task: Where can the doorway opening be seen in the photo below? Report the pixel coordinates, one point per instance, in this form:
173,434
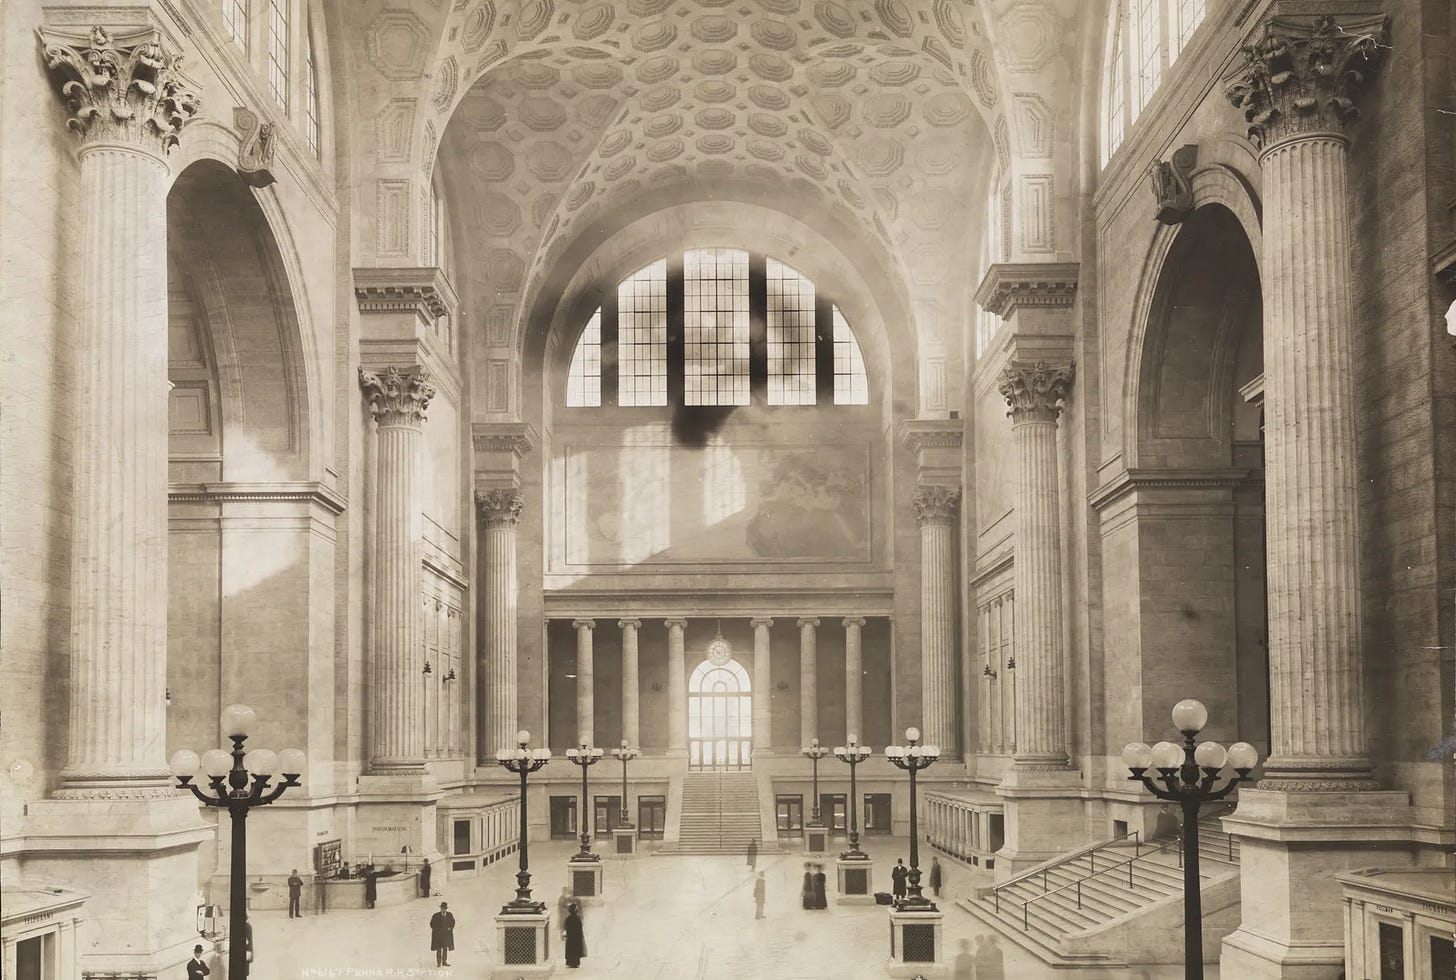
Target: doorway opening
720,717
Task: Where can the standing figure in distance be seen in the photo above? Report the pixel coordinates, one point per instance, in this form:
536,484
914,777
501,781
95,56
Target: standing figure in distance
820,902
935,876
295,892
808,885
989,963
758,896
563,906
197,967
575,937
897,875
753,855
425,872
442,934
371,888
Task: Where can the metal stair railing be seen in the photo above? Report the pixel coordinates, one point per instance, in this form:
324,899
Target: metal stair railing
1090,851
1229,841
1077,885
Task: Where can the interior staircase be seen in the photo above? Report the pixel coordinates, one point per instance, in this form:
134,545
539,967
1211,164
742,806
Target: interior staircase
720,814
1082,909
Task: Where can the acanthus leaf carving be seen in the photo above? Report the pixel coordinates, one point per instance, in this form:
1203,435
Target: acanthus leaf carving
1034,393
936,503
397,397
125,88
499,506
1303,76
255,153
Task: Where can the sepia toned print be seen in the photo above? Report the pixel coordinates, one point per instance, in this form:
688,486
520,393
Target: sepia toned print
727,489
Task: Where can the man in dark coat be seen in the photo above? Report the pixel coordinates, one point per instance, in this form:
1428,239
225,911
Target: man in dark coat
808,886
758,896
820,901
753,855
442,934
425,872
295,892
897,876
371,888
197,967
935,876
575,937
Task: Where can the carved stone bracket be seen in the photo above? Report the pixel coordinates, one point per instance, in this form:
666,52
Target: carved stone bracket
397,397
1035,393
936,503
123,87
255,155
499,507
1303,76
1172,185
1010,285
424,291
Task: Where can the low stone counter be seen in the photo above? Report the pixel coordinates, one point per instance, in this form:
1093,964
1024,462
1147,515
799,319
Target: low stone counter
395,889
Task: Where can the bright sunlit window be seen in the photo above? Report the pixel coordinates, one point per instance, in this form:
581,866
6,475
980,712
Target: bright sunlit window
1144,38
642,337
715,325
790,336
235,19
278,51
312,130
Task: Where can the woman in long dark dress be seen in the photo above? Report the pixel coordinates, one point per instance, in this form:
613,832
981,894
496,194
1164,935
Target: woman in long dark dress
820,902
808,887
575,937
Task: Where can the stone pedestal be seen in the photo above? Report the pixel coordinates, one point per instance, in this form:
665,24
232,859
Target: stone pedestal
1292,846
917,945
523,946
856,881
624,840
585,878
393,812
816,838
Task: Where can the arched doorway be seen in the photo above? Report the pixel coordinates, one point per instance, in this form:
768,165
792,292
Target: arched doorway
720,717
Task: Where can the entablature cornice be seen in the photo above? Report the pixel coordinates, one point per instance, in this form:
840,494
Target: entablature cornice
781,604
1134,480
305,492
1009,286
425,291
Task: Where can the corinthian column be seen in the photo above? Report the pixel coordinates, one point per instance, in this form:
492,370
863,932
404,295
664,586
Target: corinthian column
397,401
500,511
677,689
630,702
1034,395
585,679
1298,93
127,101
808,680
853,677
762,687
935,507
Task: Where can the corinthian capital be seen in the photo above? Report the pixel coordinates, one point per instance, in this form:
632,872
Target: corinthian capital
397,397
499,507
936,504
1304,75
123,87
1034,393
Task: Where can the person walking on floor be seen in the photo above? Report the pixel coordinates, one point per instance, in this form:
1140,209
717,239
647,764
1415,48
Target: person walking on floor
935,876
753,855
371,887
295,892
563,906
197,967
758,896
442,934
425,872
808,893
965,963
989,962
819,900
575,937
897,875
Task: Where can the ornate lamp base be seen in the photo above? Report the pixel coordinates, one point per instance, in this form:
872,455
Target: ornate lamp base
624,840
916,945
524,945
585,877
856,880
816,838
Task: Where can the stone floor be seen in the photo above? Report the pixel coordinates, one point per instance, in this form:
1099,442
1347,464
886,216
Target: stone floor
665,918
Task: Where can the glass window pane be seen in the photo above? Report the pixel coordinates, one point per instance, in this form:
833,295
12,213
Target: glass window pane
715,327
278,51
584,380
851,386
791,377
235,19
642,337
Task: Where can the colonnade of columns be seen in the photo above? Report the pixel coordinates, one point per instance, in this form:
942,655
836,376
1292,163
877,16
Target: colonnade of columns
677,670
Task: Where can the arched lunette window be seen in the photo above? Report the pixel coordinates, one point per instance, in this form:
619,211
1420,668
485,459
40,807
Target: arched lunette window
720,326
1144,38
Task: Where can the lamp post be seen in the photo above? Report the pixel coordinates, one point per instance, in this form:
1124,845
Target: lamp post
625,753
816,838
1188,774
239,781
913,757
523,761
814,752
585,756
853,754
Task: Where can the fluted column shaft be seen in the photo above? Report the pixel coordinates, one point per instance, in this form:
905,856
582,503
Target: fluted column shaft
1033,394
397,399
1298,92
677,690
762,687
630,699
119,507
585,678
936,508
500,510
808,680
853,677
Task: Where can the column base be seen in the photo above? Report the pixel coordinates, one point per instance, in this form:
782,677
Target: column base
925,955
523,947
1292,845
856,881
586,880
137,860
1043,817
